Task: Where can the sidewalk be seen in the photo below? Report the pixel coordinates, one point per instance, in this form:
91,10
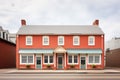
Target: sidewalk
15,71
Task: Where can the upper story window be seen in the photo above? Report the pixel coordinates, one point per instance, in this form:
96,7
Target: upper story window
28,40
91,40
60,40
45,40
76,40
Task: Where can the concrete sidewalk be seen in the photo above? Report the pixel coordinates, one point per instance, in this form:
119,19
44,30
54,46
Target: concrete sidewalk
15,71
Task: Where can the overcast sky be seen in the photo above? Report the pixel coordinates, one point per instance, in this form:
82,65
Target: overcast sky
61,12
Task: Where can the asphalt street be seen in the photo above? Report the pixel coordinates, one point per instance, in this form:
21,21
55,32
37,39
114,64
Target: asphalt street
59,76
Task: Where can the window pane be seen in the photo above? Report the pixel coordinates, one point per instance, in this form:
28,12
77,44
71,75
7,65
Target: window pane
90,40
75,40
51,59
60,40
45,40
97,59
90,59
45,59
70,59
75,59
24,59
29,40
30,59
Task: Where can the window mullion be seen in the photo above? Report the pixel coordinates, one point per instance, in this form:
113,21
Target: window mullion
27,59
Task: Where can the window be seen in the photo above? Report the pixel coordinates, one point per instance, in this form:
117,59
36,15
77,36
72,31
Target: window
72,59
75,59
94,59
76,40
28,40
26,59
48,59
60,40
45,59
45,40
91,40
51,59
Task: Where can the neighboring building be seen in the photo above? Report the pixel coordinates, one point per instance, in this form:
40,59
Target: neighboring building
7,50
113,52
112,44
12,38
60,46
4,34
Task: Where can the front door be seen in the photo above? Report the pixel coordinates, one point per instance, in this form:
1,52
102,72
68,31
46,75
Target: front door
60,62
82,62
38,62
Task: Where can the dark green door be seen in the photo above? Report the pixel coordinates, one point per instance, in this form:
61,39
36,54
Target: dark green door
83,62
38,62
60,62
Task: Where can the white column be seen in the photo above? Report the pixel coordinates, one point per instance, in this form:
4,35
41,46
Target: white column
54,59
65,60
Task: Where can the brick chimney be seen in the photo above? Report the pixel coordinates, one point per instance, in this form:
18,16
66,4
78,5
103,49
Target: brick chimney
96,23
23,22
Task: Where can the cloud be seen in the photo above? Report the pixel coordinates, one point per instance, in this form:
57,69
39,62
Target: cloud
75,12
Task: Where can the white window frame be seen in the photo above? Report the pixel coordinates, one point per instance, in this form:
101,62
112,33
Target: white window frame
72,59
94,59
62,38
43,40
27,58
91,44
31,40
48,59
78,38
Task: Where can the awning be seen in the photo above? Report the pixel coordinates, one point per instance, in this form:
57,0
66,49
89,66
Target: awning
59,49
45,51
84,51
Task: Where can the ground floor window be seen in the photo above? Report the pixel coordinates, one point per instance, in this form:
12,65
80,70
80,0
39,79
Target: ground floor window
48,59
94,59
72,59
27,59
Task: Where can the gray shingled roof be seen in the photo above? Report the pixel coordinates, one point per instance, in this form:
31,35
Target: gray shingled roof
59,29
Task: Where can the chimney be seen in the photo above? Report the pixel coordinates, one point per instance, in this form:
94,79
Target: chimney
96,23
23,22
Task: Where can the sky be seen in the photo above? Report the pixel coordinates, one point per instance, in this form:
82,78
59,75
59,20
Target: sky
61,12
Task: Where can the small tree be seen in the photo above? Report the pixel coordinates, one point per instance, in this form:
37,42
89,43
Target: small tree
48,66
72,65
27,66
93,66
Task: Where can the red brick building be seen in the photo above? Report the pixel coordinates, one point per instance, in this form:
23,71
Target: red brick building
60,46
